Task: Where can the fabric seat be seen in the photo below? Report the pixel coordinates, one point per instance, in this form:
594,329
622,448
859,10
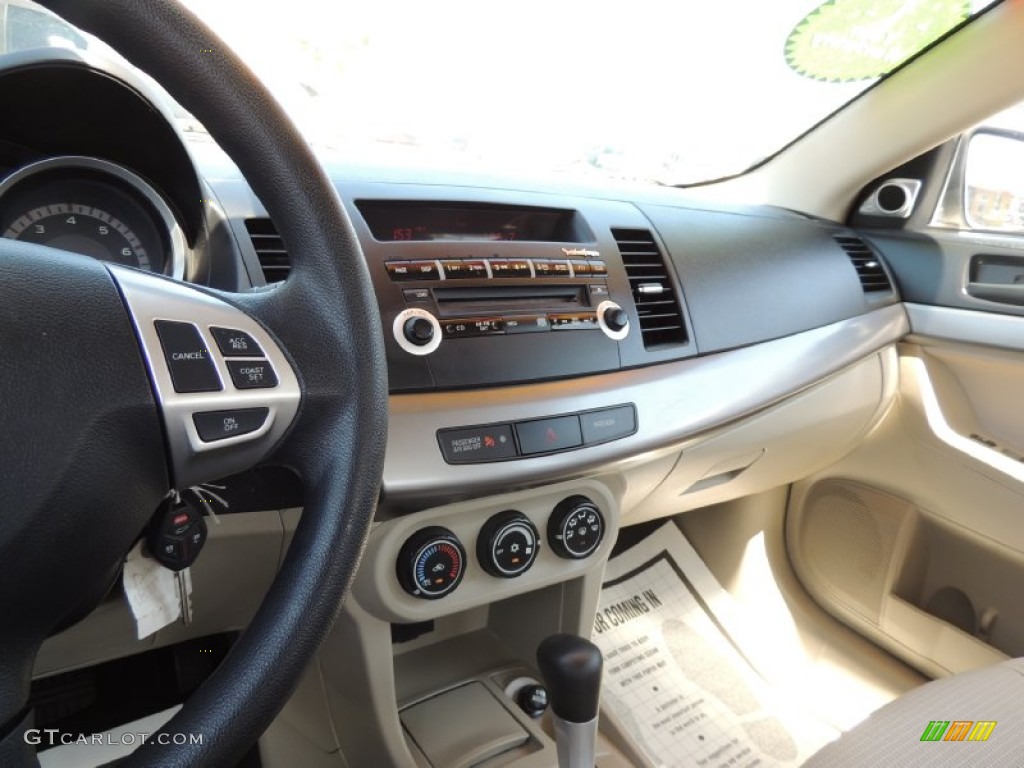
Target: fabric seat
899,733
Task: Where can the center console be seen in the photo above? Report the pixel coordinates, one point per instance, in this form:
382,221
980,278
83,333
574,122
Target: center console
445,618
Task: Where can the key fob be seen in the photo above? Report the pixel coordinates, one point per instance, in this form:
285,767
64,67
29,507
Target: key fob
177,534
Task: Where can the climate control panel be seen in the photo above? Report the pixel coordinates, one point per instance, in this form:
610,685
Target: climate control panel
432,561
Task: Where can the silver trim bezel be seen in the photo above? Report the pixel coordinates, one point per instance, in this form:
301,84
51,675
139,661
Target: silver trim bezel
910,187
674,402
176,236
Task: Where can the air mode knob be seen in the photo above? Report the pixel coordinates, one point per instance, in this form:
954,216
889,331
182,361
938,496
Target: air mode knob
575,528
431,563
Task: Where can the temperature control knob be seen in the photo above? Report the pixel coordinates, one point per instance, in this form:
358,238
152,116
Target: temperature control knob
431,563
507,545
575,528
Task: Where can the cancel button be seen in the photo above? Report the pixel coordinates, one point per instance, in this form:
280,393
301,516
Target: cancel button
608,424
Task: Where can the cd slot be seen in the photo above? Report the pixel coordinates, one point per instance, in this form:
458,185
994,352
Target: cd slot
453,302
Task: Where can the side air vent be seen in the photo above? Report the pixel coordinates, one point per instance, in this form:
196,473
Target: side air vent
269,249
661,319
869,267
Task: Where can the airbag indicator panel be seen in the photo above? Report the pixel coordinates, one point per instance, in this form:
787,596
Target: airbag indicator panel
536,437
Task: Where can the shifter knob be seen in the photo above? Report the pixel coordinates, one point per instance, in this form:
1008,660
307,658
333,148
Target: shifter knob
571,667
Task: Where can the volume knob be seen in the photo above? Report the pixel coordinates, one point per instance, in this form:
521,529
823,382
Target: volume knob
419,331
613,320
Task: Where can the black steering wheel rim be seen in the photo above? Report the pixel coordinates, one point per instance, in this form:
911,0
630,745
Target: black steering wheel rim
326,319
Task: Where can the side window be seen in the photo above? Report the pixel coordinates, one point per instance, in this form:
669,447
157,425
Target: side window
984,190
994,180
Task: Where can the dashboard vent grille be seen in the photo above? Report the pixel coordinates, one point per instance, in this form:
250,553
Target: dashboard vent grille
269,249
869,267
661,318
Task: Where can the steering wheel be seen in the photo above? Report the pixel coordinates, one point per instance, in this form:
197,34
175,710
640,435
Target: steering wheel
92,438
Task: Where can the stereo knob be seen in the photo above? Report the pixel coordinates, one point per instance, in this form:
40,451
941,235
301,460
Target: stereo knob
575,528
431,563
419,331
613,320
507,545
616,318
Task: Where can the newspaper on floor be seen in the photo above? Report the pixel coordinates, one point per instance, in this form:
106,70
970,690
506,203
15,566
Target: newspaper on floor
673,675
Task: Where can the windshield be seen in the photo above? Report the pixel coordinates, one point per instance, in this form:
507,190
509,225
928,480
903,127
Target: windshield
668,92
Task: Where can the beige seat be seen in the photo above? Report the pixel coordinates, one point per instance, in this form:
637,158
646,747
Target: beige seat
892,736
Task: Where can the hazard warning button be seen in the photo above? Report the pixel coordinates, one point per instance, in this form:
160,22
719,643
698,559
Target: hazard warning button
547,435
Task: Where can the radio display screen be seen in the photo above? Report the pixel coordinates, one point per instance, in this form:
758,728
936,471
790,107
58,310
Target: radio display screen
391,221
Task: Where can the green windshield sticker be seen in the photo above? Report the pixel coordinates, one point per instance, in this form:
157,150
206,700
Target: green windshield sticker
845,40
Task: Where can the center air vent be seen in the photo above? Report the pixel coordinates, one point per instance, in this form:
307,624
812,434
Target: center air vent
873,277
661,319
269,249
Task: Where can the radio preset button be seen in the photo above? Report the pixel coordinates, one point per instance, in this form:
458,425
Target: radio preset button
598,268
550,268
519,268
457,270
504,268
574,321
476,268
581,268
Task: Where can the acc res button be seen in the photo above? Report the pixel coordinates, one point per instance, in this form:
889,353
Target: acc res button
470,445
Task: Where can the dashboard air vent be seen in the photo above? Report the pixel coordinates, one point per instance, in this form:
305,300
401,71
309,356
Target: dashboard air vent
661,319
269,249
869,267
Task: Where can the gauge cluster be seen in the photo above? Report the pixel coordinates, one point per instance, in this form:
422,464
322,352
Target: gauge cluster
93,207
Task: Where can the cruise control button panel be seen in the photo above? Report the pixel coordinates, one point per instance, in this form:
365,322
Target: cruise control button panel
226,391
220,425
188,357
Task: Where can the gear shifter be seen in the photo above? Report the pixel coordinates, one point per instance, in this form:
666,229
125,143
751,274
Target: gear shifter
571,667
